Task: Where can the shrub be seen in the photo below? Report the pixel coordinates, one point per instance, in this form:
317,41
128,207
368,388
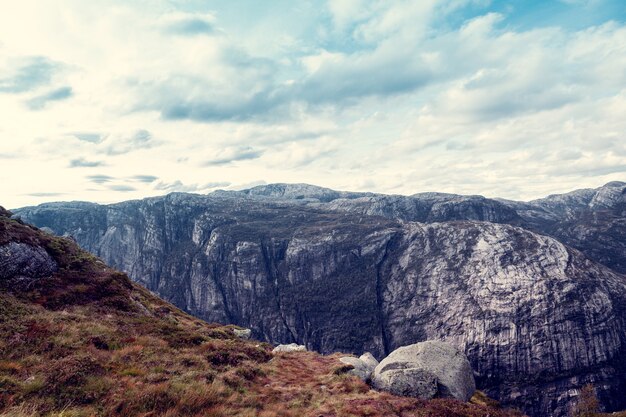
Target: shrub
587,404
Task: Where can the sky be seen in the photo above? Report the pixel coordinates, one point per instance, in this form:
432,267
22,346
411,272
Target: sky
114,100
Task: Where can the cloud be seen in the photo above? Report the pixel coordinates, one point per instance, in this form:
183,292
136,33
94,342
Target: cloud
190,25
41,101
144,178
46,194
83,163
28,73
122,188
89,136
234,154
121,144
100,179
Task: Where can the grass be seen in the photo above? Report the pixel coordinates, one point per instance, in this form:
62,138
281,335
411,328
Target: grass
88,342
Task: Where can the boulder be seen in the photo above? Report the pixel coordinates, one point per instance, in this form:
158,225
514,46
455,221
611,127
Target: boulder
359,369
243,333
369,360
410,382
410,370
23,262
363,366
291,347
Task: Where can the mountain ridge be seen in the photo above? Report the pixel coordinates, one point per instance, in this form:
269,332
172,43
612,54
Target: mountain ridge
336,279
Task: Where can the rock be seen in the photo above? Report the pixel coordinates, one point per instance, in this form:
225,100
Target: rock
47,230
23,262
5,213
291,347
369,360
243,333
360,368
411,370
411,382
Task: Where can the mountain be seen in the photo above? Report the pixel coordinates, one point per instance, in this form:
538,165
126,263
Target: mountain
537,319
590,220
78,338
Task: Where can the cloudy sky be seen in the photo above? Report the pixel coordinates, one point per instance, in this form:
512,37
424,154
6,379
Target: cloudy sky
113,100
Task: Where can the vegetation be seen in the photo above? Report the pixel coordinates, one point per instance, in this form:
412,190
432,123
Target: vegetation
88,342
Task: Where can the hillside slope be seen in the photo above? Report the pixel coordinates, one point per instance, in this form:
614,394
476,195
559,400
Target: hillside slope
78,338
537,319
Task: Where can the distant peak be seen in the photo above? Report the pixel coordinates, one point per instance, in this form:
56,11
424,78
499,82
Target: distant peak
614,184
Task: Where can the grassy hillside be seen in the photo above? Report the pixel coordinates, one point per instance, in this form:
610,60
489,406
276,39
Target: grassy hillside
86,341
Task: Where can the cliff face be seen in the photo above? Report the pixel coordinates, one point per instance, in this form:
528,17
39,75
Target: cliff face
536,318
590,220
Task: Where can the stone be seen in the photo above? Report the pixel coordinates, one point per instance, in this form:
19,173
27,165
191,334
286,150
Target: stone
359,369
23,262
291,347
243,333
369,360
411,382
412,370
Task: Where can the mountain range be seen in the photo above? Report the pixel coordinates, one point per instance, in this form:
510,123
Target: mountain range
533,292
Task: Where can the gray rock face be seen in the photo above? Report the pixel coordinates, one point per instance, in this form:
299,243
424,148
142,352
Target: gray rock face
22,263
409,382
410,370
590,220
535,318
429,208
291,347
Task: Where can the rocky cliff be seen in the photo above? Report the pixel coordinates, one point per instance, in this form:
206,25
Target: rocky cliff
537,319
590,220
78,338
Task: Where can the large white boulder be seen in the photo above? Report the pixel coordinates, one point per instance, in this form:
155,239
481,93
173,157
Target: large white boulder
426,370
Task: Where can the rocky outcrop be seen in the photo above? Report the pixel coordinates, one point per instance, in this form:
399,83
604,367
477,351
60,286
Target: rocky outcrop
426,370
21,263
536,319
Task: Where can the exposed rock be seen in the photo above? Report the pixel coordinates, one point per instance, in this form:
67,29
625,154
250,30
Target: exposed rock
410,382
369,360
23,262
291,347
243,333
4,212
590,220
410,369
360,368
